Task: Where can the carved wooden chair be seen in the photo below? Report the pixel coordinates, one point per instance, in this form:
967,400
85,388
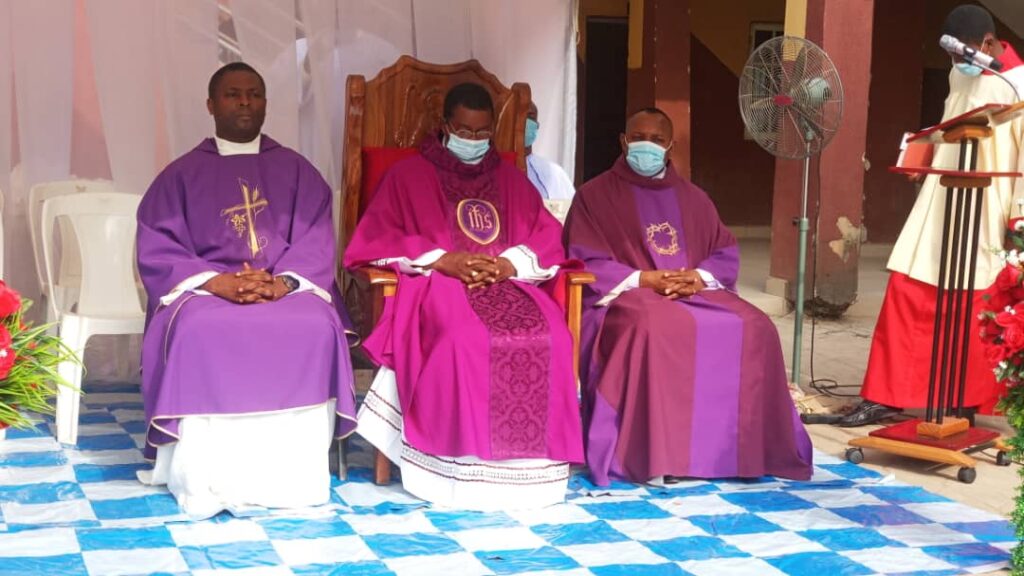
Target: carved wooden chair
385,119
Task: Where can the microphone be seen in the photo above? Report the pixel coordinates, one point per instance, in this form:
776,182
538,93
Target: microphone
954,46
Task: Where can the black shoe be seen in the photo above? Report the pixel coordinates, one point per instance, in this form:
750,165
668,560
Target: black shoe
867,412
811,418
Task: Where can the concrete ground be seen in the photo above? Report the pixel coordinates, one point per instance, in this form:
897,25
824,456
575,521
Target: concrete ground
841,354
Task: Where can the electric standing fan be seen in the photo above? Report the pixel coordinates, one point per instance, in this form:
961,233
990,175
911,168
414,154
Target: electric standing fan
791,100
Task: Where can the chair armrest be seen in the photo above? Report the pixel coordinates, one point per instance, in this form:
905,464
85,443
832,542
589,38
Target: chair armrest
580,277
379,279
575,280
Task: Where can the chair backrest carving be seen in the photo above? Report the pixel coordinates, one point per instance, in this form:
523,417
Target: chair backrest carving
403,103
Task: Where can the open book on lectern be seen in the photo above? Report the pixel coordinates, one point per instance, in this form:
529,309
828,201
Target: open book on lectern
917,149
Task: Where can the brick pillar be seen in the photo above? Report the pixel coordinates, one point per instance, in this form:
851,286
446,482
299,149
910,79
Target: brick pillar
843,28
663,78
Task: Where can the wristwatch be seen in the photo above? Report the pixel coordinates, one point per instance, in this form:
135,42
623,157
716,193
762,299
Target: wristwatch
290,282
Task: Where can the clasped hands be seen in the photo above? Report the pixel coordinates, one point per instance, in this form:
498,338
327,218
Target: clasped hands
475,270
247,286
673,283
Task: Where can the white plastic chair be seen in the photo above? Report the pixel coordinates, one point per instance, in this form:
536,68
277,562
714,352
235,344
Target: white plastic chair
108,303
68,279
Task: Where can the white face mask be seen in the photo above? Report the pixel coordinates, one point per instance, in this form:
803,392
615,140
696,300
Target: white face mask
645,158
968,69
466,150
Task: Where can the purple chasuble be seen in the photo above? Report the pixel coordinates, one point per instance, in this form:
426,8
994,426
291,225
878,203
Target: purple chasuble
694,387
203,355
484,372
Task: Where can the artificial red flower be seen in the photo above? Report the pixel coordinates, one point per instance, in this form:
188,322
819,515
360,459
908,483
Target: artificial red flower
10,300
1011,317
995,354
6,352
1013,336
989,332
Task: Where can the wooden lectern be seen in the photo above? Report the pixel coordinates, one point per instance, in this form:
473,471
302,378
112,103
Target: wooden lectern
945,435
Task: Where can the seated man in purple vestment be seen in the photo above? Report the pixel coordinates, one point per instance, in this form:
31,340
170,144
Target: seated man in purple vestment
681,377
475,399
245,365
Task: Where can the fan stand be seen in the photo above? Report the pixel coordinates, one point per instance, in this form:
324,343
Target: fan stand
803,226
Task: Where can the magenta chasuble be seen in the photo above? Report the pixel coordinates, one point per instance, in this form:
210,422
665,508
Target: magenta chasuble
484,372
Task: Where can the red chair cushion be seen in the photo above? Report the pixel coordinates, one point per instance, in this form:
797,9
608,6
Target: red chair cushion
376,162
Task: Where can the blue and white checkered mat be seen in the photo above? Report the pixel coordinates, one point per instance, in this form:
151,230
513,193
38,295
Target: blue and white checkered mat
81,512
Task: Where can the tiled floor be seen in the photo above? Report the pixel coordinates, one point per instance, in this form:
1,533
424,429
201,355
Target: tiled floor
82,512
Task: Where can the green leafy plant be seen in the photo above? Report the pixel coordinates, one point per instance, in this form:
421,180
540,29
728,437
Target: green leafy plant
29,357
1002,334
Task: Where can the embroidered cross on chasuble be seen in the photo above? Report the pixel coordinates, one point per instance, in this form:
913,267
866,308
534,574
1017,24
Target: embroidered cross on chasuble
242,217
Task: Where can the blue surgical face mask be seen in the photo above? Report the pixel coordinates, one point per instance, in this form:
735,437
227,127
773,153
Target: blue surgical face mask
969,69
646,158
469,151
531,131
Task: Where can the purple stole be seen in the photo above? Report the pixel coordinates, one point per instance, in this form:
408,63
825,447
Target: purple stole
520,344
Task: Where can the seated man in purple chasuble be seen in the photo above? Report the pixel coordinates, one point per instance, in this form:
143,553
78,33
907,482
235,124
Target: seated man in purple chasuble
475,399
246,373
681,377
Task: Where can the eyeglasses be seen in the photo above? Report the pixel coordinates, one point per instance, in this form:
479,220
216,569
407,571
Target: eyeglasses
470,134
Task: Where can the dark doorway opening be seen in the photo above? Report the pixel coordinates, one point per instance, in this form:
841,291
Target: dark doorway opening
604,100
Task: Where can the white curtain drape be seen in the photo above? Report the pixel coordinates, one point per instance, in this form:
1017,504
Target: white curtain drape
565,154
320,86
151,61
187,49
528,41
372,35
6,78
126,82
266,35
442,30
42,35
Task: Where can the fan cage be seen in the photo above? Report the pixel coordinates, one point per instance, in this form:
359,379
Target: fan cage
791,97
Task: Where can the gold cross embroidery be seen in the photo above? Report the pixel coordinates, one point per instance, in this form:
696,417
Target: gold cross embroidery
242,217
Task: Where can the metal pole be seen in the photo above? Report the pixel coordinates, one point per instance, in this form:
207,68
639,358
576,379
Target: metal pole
979,195
951,308
934,403
801,271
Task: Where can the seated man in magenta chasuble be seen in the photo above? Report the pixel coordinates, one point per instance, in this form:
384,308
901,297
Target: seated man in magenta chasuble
475,399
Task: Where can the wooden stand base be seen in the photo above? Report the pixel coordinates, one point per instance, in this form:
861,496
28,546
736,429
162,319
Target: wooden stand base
954,449
949,427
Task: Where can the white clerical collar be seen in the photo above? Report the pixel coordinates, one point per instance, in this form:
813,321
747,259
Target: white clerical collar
229,148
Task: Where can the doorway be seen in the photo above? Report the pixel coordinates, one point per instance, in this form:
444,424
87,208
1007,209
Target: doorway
604,89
